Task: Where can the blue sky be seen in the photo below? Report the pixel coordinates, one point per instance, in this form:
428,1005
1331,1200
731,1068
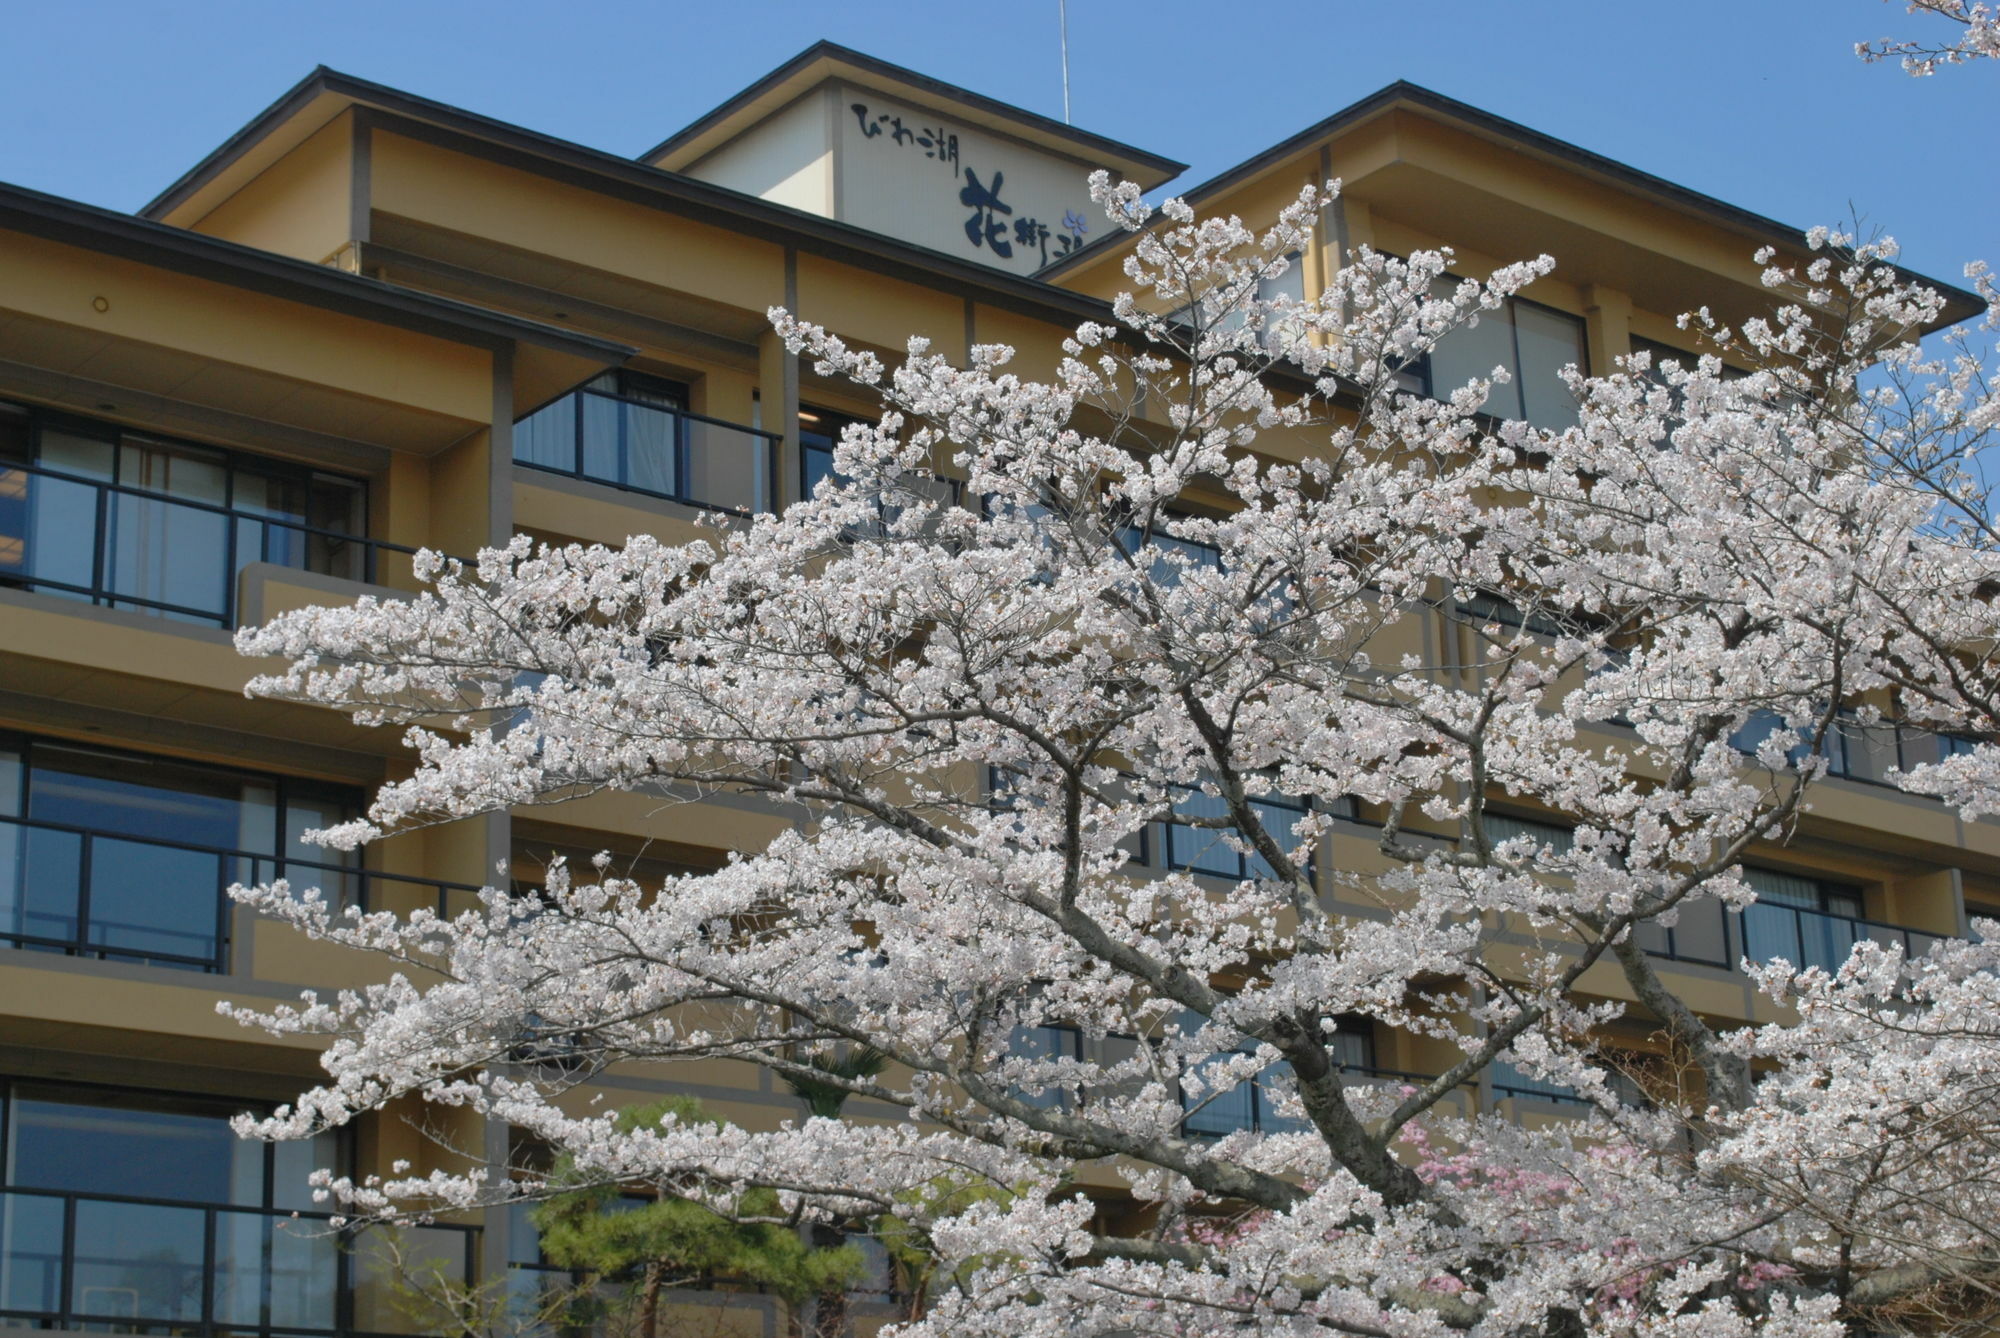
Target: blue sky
1758,102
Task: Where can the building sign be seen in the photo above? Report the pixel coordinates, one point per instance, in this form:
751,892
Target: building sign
912,175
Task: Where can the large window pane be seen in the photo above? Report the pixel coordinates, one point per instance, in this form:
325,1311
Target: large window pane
139,796
1472,352
48,529
112,1142
164,553
275,1271
141,1262
150,900
1547,341
1201,849
1221,1112
42,880
31,1246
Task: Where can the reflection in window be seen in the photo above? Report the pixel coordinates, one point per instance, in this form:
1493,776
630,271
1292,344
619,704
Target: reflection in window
107,853
1532,342
94,511
213,1238
1045,1042
1207,849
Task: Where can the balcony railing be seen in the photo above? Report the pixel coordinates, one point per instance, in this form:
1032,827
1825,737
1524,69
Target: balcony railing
90,893
1712,936
648,448
137,1265
1863,752
131,548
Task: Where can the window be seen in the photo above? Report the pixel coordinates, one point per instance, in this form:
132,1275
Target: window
1045,1042
1207,849
1254,1105
1290,285
819,433
1506,827
1511,1082
1533,342
1807,921
143,1210
1665,353
111,854
635,432
130,520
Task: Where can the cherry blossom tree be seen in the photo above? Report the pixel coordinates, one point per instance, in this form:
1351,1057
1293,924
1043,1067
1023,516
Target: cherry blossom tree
1977,37
991,657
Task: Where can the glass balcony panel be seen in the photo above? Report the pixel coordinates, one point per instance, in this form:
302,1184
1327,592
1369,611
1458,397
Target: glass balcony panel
1702,932
38,890
603,439
1769,931
275,1272
1201,849
650,449
47,526
377,1308
728,468
148,900
547,437
31,1249
137,1262
158,552
1224,1112
1828,939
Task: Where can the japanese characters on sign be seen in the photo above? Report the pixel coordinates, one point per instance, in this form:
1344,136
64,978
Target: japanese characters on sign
992,224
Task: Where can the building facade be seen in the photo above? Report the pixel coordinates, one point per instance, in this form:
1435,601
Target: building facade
370,323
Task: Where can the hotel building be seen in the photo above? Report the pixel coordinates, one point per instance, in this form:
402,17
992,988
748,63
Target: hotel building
370,323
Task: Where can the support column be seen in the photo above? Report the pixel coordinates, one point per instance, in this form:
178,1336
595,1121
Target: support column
1607,315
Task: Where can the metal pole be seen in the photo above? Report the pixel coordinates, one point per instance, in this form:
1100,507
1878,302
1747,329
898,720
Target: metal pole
1062,13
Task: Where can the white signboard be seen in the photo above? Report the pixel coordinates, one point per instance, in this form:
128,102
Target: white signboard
914,175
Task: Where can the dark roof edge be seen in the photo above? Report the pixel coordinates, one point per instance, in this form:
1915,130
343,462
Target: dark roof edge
74,223
929,84
774,221
230,149
1405,91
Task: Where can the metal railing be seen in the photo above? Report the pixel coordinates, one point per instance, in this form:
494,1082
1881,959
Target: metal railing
1709,935
87,892
1862,752
127,547
648,448
143,1265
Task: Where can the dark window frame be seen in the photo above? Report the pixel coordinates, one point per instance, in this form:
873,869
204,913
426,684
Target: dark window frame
345,551
342,874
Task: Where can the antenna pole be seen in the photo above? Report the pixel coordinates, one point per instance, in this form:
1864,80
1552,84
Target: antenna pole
1062,13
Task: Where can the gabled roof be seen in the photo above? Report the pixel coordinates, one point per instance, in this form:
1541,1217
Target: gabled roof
108,232
829,60
324,94
1403,94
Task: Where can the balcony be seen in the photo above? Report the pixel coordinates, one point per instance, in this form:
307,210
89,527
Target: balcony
642,446
174,556
1862,752
138,1265
1709,935
110,895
